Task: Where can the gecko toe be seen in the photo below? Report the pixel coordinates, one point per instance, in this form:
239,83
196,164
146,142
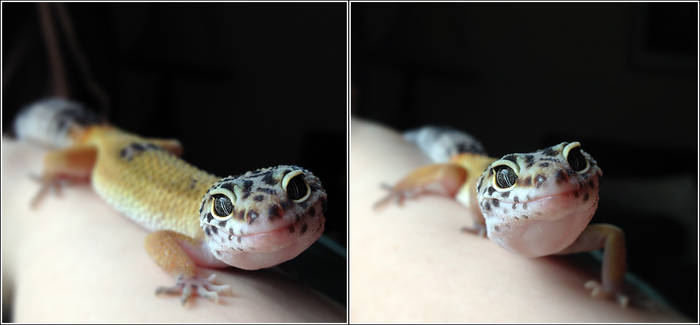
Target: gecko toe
187,286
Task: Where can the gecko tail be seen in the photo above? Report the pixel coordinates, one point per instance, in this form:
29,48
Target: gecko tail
440,143
53,121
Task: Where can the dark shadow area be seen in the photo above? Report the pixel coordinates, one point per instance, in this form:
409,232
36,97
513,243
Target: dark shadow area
619,77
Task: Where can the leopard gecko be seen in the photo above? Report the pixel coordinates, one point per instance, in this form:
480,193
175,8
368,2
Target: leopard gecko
534,204
254,220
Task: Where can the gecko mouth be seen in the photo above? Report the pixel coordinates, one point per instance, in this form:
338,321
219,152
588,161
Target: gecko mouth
288,227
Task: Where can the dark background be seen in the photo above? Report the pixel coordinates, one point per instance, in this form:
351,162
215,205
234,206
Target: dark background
619,77
242,86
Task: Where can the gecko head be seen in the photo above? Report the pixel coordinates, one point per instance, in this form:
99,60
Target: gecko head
263,217
538,203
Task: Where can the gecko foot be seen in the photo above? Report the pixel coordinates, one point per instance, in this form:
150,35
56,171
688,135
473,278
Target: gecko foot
475,230
204,288
598,291
53,185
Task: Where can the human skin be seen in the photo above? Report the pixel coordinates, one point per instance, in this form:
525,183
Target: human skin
75,259
411,263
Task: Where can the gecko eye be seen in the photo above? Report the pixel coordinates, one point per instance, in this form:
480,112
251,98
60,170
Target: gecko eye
296,187
221,206
573,155
504,174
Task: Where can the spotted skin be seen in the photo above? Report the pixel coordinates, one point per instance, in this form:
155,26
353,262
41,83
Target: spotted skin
261,212
534,204
548,192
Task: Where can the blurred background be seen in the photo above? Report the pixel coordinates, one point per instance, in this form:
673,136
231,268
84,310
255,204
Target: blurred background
266,82
619,77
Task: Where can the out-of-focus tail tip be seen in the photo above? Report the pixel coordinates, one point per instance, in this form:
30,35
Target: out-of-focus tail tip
50,121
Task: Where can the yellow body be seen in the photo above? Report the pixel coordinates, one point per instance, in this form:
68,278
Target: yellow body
152,187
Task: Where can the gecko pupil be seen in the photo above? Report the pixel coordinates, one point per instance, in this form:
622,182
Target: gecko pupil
296,188
222,205
576,160
505,177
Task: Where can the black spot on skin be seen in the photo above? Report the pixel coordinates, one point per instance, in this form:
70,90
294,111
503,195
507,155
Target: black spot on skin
495,202
240,215
591,183
193,183
525,205
515,199
207,231
516,218
561,177
303,229
266,190
222,223
514,205
274,212
585,197
490,171
570,171
123,153
230,237
312,211
269,180
218,252
539,180
228,186
497,228
151,146
487,206
525,216
259,198
478,186
505,194
575,193
529,159
544,164
138,147
247,185
550,152
291,229
525,182
252,215
511,158
491,189
285,205
209,217
214,230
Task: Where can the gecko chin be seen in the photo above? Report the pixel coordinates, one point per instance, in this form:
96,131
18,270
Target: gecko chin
553,223
280,241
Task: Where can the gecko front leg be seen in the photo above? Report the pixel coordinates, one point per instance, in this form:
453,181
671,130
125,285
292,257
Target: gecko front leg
176,254
612,240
